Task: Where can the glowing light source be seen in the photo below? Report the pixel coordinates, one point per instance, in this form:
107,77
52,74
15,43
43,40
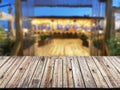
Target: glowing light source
44,30
94,25
100,31
83,30
25,30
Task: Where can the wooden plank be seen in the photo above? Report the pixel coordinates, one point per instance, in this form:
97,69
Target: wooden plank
105,72
78,80
48,73
13,83
37,76
8,75
6,66
112,69
25,80
58,72
87,76
3,57
114,63
117,59
3,60
67,73
111,66
57,75
100,82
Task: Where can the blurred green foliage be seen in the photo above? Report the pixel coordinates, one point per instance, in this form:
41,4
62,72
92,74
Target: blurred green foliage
2,36
6,44
114,46
98,42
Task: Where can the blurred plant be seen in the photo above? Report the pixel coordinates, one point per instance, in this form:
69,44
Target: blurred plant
7,47
84,38
44,36
2,35
114,46
98,42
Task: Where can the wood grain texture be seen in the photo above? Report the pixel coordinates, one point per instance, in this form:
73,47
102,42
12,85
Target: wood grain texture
67,73
3,60
60,72
57,75
99,79
48,73
105,72
25,80
13,83
8,75
87,76
113,70
38,73
78,80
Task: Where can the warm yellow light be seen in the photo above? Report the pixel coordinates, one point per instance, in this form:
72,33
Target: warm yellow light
32,22
93,24
100,31
83,30
44,30
60,23
25,30
35,22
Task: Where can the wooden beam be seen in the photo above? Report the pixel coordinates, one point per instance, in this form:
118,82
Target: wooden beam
108,19
71,6
102,0
11,33
108,24
18,21
113,23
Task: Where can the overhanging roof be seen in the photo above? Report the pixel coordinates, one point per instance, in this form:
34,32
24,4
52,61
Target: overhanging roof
66,17
95,5
63,3
85,6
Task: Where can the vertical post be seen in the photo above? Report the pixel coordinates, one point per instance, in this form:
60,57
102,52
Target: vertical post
11,32
18,21
108,20
113,23
91,35
31,27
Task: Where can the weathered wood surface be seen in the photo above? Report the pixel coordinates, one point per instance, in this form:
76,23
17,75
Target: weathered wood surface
60,72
